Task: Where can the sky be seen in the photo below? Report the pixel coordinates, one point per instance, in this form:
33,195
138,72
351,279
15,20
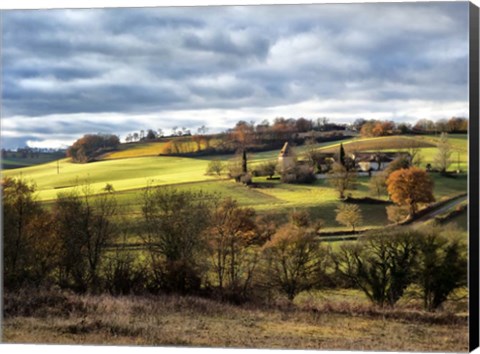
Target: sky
66,73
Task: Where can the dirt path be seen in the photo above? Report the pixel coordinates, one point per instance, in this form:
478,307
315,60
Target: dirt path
442,209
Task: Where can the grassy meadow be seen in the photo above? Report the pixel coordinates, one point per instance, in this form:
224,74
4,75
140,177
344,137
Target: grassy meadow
331,320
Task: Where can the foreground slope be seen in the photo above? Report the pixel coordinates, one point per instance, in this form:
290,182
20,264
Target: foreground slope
190,321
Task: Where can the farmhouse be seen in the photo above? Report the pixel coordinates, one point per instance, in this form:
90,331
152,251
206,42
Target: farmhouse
325,160
365,161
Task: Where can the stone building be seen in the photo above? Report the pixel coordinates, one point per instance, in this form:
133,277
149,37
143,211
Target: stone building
286,158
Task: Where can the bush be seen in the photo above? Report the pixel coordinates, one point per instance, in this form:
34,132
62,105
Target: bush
382,266
399,163
442,266
215,167
301,174
123,276
397,214
234,169
267,168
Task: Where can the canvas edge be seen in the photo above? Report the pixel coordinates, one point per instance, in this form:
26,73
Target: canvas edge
474,178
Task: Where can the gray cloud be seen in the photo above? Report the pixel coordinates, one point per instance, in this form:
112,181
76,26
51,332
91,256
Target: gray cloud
134,62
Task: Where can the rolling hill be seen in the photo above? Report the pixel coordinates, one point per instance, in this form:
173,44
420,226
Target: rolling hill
134,171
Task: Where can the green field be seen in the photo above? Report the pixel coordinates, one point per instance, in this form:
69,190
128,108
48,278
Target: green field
123,174
13,160
136,150
129,175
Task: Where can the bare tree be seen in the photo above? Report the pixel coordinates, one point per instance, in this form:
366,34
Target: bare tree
342,179
295,260
349,215
378,185
382,265
25,222
231,238
312,153
174,222
85,226
414,149
444,153
215,167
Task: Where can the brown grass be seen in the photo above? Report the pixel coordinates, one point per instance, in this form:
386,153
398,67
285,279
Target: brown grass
189,321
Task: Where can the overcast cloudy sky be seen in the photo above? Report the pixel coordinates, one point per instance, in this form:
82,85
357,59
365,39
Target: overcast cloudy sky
71,72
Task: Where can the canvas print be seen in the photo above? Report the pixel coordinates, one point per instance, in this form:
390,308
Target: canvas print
281,176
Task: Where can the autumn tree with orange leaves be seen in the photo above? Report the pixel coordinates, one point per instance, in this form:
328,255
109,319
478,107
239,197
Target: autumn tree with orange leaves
410,187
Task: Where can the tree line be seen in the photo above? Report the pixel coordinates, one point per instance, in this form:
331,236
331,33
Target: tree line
199,243
374,127
284,128
262,136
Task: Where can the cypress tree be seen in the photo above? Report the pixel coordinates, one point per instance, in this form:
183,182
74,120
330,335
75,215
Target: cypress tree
244,161
342,155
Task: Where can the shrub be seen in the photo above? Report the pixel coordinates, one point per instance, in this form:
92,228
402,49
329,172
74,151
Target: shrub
215,167
302,174
234,169
397,214
397,164
442,266
122,275
267,168
382,266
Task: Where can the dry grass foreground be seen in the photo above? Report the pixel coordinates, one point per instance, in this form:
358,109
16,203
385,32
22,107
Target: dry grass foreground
63,318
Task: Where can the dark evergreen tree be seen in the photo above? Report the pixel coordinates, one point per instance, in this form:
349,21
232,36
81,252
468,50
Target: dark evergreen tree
341,157
244,161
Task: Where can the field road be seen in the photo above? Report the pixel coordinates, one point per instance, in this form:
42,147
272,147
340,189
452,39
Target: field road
430,215
442,209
